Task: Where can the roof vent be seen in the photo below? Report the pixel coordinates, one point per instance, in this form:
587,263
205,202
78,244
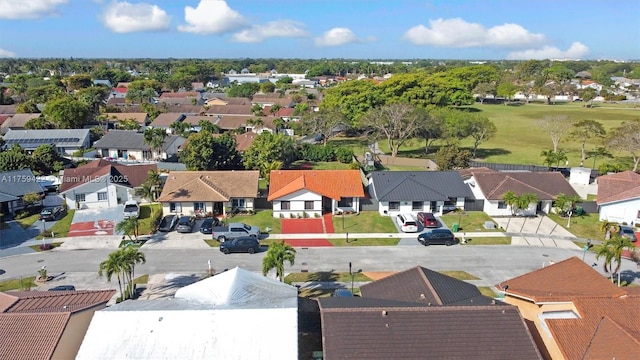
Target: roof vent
422,296
384,312
160,318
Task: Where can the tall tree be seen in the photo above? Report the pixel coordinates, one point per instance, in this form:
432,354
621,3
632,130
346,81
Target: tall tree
506,90
451,157
552,158
112,266
585,130
324,122
45,159
131,257
612,250
484,89
206,152
15,159
279,252
480,128
67,112
267,148
154,137
128,227
396,123
626,138
588,94
181,128
558,126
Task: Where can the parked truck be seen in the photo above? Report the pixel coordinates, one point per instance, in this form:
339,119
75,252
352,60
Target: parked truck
233,231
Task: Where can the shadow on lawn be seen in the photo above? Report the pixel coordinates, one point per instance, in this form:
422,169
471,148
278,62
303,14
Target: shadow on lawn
485,153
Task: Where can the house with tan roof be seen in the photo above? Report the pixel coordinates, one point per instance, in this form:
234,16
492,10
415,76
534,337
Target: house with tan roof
114,118
576,312
17,121
47,324
165,120
265,100
420,313
314,192
203,192
618,197
491,186
216,110
103,184
223,100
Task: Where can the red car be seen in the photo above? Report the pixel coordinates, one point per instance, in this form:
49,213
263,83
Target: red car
428,220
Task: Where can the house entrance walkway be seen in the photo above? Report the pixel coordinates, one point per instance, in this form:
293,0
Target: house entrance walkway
319,226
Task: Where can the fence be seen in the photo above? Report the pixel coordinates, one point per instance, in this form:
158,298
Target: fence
402,161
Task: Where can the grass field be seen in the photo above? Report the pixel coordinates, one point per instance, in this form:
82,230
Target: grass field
584,226
364,222
468,220
144,220
61,228
263,219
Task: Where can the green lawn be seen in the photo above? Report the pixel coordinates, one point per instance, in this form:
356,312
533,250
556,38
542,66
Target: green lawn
28,221
61,228
460,275
364,222
583,226
23,284
144,218
263,219
502,240
354,240
470,221
319,165
487,291
325,276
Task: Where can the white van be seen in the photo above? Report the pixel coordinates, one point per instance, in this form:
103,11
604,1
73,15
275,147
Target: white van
407,222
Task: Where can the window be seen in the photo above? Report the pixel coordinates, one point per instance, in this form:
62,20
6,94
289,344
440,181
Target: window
80,198
308,205
175,207
102,196
394,205
198,206
345,202
502,205
237,203
285,205
416,206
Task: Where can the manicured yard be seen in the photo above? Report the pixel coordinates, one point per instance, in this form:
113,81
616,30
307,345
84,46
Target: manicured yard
354,240
501,240
320,165
584,226
50,245
28,221
460,275
487,291
263,219
364,222
24,283
325,276
61,228
144,218
470,221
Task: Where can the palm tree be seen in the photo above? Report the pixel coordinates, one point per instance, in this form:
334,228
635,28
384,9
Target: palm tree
129,227
111,266
274,109
511,199
278,253
611,250
181,128
154,137
151,186
131,257
525,200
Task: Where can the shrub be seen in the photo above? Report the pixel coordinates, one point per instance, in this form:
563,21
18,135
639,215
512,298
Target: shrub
22,214
46,233
281,216
309,152
292,215
45,247
344,155
354,166
304,214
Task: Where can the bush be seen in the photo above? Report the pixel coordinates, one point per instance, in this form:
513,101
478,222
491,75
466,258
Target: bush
354,166
344,155
22,214
46,233
45,247
316,153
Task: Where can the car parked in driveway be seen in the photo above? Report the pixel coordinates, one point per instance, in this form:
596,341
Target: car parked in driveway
407,222
248,244
185,224
428,220
207,225
168,223
628,232
131,209
50,214
437,237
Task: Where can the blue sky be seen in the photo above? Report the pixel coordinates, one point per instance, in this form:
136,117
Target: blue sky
357,29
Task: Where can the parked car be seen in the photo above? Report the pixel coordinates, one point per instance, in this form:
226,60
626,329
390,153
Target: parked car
131,209
50,214
233,231
208,224
437,237
63,288
185,224
246,244
407,222
428,220
168,223
628,232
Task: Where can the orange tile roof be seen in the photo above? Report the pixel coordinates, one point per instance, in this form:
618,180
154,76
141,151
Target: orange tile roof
561,281
334,184
618,187
54,301
31,336
210,185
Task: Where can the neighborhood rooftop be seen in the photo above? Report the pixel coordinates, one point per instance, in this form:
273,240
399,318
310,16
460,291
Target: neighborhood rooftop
59,137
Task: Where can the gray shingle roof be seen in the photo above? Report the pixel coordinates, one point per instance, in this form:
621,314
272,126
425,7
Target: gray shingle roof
17,183
59,137
417,185
130,139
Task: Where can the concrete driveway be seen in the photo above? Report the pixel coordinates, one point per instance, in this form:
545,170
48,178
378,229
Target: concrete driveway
87,222
536,231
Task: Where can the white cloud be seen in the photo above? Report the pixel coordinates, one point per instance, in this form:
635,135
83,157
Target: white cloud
281,28
457,33
124,17
339,36
211,17
28,9
6,53
577,50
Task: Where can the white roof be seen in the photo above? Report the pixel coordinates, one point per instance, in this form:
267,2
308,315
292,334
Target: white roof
233,315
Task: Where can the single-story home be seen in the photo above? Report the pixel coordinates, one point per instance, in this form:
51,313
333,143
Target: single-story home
618,197
222,99
203,192
18,121
491,186
129,145
14,185
418,191
165,120
65,141
139,117
313,192
103,184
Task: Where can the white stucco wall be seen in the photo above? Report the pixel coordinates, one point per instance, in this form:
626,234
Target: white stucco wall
296,201
91,190
622,211
187,207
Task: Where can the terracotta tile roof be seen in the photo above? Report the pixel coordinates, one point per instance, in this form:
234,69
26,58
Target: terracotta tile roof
185,109
31,336
209,185
179,101
166,119
244,141
138,117
229,100
282,112
467,173
618,187
230,122
55,301
562,281
123,85
334,184
183,94
229,110
4,118
452,332
120,89
607,328
547,185
194,120
126,175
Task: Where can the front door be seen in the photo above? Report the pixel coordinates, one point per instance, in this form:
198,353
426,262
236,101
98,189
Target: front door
326,204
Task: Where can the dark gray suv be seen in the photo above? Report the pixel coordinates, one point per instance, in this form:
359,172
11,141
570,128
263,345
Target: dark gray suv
437,237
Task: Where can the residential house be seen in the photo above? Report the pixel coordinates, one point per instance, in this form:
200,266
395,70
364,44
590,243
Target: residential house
185,109
492,185
102,82
203,192
181,98
618,197
18,121
15,184
418,191
166,119
47,324
224,100
129,145
7,109
314,192
64,141
115,118
215,110
246,122
119,92
421,313
236,314
103,184
577,313
265,100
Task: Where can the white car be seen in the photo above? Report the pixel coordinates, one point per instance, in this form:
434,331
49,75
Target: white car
407,223
131,209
